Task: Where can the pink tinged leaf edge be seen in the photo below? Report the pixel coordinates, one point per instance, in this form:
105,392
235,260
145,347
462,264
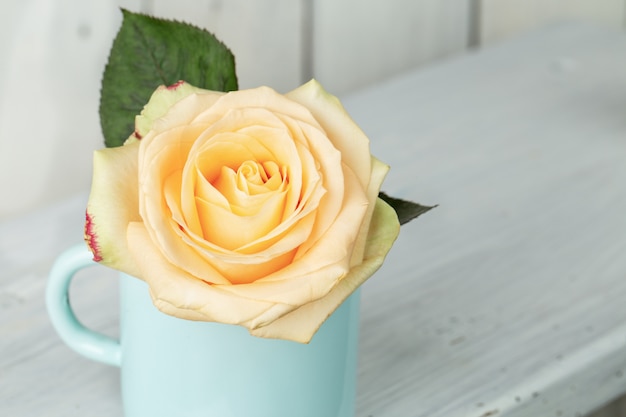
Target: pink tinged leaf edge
91,238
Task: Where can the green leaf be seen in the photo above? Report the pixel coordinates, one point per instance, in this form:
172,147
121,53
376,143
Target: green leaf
406,210
148,52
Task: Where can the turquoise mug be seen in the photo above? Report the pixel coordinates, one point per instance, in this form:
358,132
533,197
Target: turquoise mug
172,367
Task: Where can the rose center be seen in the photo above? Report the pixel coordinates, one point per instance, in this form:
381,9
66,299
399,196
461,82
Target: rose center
252,186
255,178
251,203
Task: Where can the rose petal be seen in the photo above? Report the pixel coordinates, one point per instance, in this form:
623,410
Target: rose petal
301,324
230,230
184,111
175,292
329,161
247,192
215,149
160,158
315,273
346,136
113,204
262,98
160,103
379,172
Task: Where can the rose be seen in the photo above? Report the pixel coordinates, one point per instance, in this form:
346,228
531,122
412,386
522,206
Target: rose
249,207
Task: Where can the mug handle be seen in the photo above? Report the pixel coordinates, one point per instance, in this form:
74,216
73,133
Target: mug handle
95,346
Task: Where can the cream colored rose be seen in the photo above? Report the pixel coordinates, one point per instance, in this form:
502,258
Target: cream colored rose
249,207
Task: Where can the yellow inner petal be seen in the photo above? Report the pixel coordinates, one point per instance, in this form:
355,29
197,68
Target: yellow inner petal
256,201
247,170
251,186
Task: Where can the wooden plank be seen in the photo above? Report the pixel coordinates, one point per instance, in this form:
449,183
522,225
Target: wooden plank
38,374
500,19
356,44
616,408
53,58
508,299
265,36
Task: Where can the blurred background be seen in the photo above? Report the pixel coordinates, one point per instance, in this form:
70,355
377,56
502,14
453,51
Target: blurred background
53,53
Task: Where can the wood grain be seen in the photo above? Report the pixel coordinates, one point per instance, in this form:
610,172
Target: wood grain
53,54
501,19
512,290
355,45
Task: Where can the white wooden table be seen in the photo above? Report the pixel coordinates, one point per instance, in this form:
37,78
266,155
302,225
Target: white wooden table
508,300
